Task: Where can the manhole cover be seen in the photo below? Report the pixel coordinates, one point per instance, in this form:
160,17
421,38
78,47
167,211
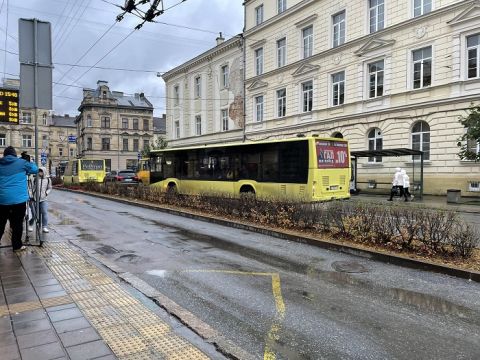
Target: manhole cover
106,250
349,267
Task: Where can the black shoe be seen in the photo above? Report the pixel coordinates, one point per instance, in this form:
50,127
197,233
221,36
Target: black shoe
389,199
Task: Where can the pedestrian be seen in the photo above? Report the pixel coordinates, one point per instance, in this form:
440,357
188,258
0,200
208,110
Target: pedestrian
406,186
14,194
45,187
397,184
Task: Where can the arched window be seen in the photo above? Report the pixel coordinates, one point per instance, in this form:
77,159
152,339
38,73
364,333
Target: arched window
337,135
421,139
375,142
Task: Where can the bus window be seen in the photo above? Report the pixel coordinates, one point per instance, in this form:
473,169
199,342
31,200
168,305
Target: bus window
91,165
270,164
75,168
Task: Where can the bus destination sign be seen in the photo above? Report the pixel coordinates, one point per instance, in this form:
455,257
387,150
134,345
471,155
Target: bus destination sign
9,106
332,154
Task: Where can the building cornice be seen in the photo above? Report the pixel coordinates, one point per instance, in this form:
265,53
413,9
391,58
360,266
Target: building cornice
364,39
236,41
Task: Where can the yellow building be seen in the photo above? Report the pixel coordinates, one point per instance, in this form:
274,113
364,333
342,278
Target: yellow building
62,140
383,74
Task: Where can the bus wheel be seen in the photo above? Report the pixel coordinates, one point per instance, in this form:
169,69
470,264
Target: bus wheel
172,189
247,191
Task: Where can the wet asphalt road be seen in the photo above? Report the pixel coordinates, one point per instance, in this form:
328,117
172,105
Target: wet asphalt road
274,297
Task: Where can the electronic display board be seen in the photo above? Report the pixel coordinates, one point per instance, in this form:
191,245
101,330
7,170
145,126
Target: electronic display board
9,106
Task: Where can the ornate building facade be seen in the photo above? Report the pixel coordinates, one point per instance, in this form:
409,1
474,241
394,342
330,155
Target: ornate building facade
113,126
205,96
383,74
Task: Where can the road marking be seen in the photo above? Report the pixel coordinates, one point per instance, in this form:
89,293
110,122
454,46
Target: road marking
273,335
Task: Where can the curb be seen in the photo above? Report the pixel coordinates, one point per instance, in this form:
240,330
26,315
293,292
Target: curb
210,335
399,260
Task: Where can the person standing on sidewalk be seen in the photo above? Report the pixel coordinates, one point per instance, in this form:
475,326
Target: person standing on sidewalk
406,185
45,188
397,184
14,194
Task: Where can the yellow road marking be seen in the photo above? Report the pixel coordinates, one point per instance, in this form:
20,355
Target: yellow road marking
272,335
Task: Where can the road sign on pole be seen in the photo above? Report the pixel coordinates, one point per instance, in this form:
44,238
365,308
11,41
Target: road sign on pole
72,139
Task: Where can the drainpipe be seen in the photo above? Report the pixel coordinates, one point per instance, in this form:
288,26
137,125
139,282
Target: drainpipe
244,73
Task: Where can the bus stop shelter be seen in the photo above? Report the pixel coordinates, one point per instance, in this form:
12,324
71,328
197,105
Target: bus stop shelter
392,153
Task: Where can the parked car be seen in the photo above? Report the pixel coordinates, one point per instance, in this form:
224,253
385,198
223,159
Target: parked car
122,176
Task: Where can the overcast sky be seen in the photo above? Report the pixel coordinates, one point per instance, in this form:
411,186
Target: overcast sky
78,24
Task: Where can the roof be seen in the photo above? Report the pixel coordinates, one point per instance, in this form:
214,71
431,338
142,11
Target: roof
160,124
63,121
136,100
386,152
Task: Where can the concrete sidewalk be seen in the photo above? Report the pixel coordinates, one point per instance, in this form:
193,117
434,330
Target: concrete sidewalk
467,205
56,304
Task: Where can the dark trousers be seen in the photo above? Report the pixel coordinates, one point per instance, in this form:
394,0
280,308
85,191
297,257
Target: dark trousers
400,190
15,214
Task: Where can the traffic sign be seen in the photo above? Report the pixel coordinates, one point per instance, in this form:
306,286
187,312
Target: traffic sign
43,158
72,139
139,155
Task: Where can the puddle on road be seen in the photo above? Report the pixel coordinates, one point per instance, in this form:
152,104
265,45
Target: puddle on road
106,250
87,237
129,258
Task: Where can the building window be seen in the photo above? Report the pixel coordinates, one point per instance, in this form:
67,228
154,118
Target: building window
281,6
198,87
72,153
422,68
146,125
146,144
259,61
60,151
105,144
44,119
377,15
307,96
421,139
125,144
104,94
176,95
375,142
26,117
198,125
225,76
224,120
26,141
281,52
89,144
338,29
338,88
307,36
259,14
473,146
105,122
176,126
136,145
124,123
259,108
135,124
281,103
89,121
473,56
44,141
375,75
421,7
3,140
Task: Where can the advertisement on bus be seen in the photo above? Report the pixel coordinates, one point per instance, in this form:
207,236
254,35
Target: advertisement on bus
332,154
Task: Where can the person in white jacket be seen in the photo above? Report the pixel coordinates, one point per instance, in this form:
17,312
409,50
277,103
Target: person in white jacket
406,185
45,188
397,184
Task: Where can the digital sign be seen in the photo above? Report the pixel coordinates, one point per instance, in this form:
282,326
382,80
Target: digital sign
9,106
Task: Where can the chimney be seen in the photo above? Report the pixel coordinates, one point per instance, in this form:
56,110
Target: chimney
220,39
102,82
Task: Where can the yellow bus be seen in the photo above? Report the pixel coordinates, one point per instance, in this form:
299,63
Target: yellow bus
80,171
143,171
302,168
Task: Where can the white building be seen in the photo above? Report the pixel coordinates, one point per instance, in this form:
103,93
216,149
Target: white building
205,96
381,73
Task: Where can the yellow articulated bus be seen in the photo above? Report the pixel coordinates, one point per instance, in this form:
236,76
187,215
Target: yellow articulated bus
80,171
143,171
301,169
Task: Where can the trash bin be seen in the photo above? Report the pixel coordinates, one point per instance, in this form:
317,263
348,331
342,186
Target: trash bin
453,196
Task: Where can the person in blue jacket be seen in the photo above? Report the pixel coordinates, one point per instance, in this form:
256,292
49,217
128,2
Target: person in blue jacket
14,194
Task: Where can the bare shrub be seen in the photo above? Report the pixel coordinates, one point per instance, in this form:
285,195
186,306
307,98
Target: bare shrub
463,239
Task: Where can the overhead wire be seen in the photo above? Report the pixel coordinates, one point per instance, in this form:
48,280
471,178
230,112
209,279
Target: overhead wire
62,41
63,19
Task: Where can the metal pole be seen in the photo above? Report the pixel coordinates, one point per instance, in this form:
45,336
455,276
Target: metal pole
421,175
38,234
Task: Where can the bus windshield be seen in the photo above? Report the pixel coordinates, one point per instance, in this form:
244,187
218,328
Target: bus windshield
91,165
332,154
